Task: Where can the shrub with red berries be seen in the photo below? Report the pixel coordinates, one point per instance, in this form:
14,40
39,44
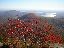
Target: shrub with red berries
23,34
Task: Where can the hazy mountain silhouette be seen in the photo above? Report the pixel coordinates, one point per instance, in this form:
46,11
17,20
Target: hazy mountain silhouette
4,15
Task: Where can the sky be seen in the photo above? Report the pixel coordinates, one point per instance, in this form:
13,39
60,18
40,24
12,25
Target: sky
31,4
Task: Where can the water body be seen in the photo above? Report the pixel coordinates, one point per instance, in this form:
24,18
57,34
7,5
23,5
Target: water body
49,15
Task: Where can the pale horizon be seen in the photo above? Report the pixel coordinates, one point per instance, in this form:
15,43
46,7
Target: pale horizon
31,4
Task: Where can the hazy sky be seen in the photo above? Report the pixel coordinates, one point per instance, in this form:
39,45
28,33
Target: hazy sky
32,4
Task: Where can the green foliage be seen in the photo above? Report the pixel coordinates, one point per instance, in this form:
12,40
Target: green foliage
1,38
5,46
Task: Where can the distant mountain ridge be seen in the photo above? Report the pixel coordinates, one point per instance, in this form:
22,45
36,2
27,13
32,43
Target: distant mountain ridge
4,15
